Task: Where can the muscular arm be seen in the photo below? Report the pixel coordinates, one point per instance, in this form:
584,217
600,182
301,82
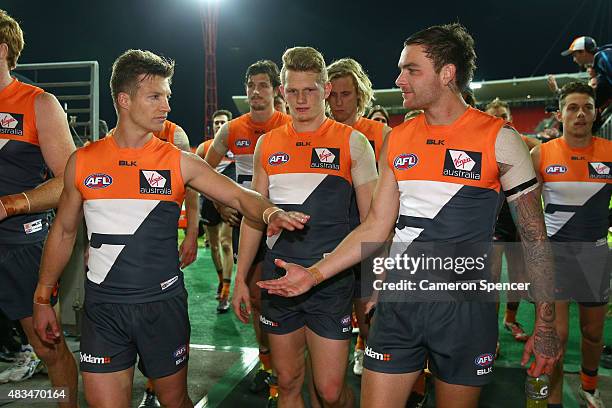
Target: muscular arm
363,172
219,147
189,247
56,146
519,183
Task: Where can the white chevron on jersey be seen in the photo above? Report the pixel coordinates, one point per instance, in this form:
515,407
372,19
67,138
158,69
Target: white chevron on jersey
116,217
3,142
293,188
575,193
424,198
407,235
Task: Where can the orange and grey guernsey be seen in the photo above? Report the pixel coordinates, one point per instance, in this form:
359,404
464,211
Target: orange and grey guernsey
373,130
131,201
167,132
310,172
242,138
448,179
577,189
22,165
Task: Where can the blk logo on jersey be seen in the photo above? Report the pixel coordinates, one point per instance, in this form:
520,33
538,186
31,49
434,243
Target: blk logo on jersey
405,161
155,182
128,163
242,143
278,158
556,169
11,123
600,170
325,158
462,164
435,142
98,180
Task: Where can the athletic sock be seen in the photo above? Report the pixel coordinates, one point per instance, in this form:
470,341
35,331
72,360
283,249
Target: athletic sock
360,345
225,291
265,359
588,378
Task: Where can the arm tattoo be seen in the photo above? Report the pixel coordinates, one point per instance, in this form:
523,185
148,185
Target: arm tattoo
527,214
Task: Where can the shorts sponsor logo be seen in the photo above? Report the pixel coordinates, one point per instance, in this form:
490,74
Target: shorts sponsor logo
242,143
462,164
405,161
484,371
88,358
325,158
155,182
180,360
346,320
98,180
484,360
278,158
32,227
166,284
377,356
600,170
11,123
181,351
556,169
267,322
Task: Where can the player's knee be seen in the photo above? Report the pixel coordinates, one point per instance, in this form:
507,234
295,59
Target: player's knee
175,398
289,382
330,391
226,244
592,333
50,355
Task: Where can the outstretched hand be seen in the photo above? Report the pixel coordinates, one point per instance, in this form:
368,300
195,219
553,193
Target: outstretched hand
545,345
289,220
296,281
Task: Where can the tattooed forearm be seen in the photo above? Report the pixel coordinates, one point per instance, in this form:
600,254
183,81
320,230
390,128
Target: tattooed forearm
527,213
546,341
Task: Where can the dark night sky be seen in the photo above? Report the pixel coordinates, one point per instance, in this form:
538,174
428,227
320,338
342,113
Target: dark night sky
512,37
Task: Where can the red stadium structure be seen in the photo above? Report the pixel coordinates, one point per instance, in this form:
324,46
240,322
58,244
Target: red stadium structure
210,13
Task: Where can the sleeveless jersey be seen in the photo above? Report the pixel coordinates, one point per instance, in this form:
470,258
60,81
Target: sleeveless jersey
448,179
577,188
243,136
22,166
167,133
373,130
131,202
310,172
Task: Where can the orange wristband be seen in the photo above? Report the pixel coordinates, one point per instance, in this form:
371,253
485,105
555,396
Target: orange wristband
316,274
15,204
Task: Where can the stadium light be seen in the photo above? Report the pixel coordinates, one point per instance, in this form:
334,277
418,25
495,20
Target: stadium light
475,85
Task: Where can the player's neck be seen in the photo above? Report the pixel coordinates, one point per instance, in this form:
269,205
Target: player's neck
262,115
352,120
128,135
5,79
577,142
309,126
445,110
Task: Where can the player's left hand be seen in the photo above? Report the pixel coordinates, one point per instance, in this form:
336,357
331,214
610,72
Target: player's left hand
545,345
289,220
297,280
188,250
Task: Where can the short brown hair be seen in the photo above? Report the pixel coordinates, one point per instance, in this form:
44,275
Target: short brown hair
304,59
348,67
264,67
222,112
497,103
448,44
131,65
574,87
12,36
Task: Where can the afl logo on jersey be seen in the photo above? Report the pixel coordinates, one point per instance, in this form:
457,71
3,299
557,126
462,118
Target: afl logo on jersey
556,169
278,158
98,180
484,360
405,161
242,143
